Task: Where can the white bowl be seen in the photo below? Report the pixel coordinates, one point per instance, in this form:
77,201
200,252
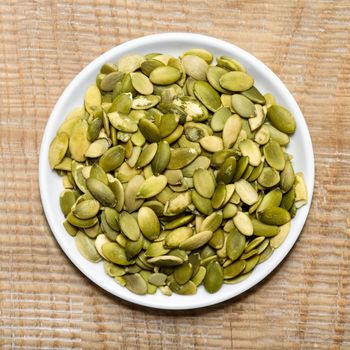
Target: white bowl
172,43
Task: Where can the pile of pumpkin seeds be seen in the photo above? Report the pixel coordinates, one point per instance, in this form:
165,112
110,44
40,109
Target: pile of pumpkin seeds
175,172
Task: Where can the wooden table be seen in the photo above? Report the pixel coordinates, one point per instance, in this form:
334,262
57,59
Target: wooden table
45,302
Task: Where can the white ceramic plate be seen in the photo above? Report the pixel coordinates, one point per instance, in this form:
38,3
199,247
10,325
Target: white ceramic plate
175,44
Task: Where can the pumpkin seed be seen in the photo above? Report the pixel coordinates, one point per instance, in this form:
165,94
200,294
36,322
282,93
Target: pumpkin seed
274,155
207,95
129,226
58,149
86,247
86,209
275,216
204,183
231,130
236,81
214,277
195,66
135,283
152,186
92,98
277,240
234,269
67,199
164,75
180,157
196,241
101,192
148,223
78,141
235,244
161,158
243,223
243,106
246,192
112,158
281,119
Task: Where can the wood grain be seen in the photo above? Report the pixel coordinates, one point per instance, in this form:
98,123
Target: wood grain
47,303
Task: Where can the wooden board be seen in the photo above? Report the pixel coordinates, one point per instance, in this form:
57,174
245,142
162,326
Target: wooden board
45,302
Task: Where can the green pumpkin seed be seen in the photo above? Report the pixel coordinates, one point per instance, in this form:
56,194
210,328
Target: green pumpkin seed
207,95
275,216
234,269
254,95
212,222
72,230
266,254
269,177
236,81
141,83
177,236
86,209
241,167
214,277
122,122
202,204
112,158
129,226
165,260
78,141
243,106
67,200
152,186
109,80
213,75
135,283
164,75
226,171
274,155
86,247
196,240
235,245
148,223
180,157
92,98
231,130
281,119
130,63
287,177
212,143
157,279
219,196
243,223
149,65
149,131
277,240
251,150
261,229
200,162
161,158
262,136
271,199
156,249
230,63
133,248
145,102
181,221
183,273
101,192
58,149
246,192
276,135
204,183
168,124
195,67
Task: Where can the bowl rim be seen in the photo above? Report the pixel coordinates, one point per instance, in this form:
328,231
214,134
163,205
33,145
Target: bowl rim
128,46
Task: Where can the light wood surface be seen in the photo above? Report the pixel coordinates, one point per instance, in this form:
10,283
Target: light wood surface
45,302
